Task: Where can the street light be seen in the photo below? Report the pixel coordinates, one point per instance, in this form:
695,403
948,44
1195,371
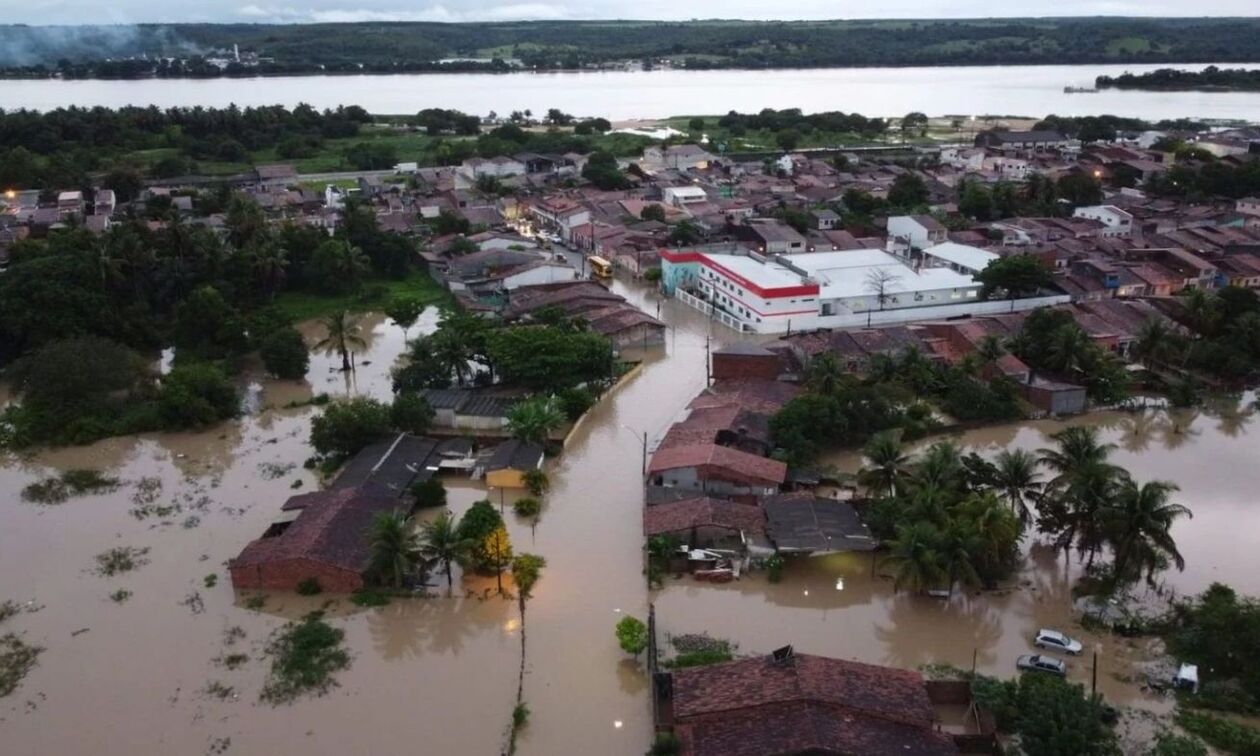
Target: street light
645,440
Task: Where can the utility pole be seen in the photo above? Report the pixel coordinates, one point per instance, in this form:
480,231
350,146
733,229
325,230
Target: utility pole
645,453
708,373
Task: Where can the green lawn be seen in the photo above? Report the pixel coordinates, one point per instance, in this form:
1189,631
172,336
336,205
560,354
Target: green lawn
374,295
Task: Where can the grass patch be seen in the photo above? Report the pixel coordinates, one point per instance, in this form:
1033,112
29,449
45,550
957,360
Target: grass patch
699,650
210,580
256,602
300,305
1220,733
17,658
233,661
216,689
304,657
69,483
369,598
120,559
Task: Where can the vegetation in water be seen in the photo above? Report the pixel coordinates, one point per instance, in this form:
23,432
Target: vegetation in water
17,658
309,587
305,655
66,485
1050,715
1217,630
1222,734
632,635
121,559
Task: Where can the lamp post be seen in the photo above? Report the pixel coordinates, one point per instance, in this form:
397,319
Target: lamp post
645,444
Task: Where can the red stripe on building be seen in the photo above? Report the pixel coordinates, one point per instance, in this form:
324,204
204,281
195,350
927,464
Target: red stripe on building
804,290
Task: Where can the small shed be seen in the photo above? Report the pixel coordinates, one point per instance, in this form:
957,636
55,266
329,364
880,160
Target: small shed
510,460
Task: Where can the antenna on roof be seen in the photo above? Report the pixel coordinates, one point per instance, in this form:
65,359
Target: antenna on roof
783,655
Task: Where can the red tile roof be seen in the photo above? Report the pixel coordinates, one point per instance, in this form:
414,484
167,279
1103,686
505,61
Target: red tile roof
741,463
703,512
810,704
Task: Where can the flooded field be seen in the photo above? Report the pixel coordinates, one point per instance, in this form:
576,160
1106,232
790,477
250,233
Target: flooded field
439,674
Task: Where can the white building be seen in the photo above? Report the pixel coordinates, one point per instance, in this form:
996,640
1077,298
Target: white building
963,158
561,215
1010,168
681,196
920,230
680,157
753,293
959,258
1118,222
498,167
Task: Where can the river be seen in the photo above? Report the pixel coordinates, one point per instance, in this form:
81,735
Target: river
969,90
439,674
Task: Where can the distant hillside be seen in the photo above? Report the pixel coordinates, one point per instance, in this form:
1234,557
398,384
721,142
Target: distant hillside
697,44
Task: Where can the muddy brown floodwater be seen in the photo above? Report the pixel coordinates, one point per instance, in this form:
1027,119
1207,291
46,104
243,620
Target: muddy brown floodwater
438,675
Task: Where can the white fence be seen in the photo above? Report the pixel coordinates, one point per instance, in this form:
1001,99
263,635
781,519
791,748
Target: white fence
875,317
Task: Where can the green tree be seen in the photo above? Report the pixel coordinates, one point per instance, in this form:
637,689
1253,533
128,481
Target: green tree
632,635
284,354
405,311
337,267
411,413
653,212
348,425
1017,479
442,542
526,571
195,395
394,546
1055,717
429,493
1015,276
497,550
696,125
915,558
1138,526
535,419
887,463
343,337
476,525
208,326
908,191
1080,189
536,482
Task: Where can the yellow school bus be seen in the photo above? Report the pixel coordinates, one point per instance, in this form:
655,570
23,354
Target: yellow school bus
600,268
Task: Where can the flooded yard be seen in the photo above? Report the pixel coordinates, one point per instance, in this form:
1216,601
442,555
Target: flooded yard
131,676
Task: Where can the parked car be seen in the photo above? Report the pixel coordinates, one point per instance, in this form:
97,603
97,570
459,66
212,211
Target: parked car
1041,663
1053,640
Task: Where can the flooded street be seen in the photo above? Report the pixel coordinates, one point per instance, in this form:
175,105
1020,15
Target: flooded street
438,675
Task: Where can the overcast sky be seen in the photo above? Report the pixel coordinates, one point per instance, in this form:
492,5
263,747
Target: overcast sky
134,11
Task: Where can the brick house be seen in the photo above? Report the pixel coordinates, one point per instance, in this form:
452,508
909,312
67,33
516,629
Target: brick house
321,535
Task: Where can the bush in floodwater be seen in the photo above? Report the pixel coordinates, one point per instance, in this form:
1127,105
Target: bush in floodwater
527,507
304,657
700,658
120,559
429,493
632,635
665,743
536,482
520,716
17,658
309,587
774,568
1222,734
1171,744
69,483
368,598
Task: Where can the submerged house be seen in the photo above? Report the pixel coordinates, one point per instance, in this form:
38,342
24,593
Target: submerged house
508,463
802,523
789,703
712,469
321,535
708,523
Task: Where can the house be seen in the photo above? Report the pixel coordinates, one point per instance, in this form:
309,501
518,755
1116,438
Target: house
745,361
1117,222
508,463
475,410
560,214
70,203
681,196
920,230
104,202
274,176
1020,140
394,464
789,703
802,523
773,237
680,157
959,258
1248,206
825,220
713,469
322,536
706,522
497,167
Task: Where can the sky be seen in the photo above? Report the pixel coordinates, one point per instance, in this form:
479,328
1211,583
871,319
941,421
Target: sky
38,12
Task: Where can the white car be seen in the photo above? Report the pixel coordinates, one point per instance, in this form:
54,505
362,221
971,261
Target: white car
1053,640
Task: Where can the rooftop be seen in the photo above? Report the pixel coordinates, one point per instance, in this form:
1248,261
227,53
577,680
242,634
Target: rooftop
703,512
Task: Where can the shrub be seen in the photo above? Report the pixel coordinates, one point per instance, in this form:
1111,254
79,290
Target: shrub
774,568
536,482
309,587
1170,744
196,395
411,413
574,402
632,635
1220,733
700,658
369,598
665,744
429,493
284,354
527,507
304,655
347,426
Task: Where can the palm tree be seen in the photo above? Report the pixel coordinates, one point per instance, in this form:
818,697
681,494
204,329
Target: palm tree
1016,476
1157,343
534,419
1138,525
269,261
343,337
990,350
1203,310
915,558
350,263
440,542
825,374
941,466
995,527
888,462
959,549
1068,349
394,546
1076,448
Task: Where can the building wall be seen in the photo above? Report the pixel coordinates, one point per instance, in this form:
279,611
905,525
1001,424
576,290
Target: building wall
284,575
506,478
640,335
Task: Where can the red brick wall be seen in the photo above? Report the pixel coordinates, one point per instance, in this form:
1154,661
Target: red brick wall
286,574
745,366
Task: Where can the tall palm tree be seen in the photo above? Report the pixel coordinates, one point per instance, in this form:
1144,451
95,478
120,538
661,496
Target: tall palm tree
1075,448
534,419
825,374
1138,525
394,546
350,263
1068,349
451,353
959,549
1017,478
440,542
888,462
1203,311
1157,343
915,559
269,261
990,350
941,466
343,337
996,528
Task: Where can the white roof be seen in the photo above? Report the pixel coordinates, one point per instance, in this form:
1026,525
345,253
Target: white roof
844,274
685,191
768,275
972,258
69,196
